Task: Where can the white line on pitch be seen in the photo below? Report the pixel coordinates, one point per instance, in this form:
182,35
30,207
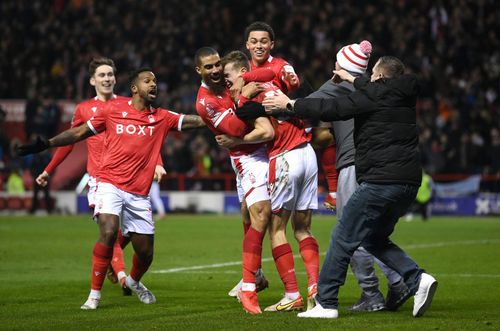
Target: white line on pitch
414,246
233,272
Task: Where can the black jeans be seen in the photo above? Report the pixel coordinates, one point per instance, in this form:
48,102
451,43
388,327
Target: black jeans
368,220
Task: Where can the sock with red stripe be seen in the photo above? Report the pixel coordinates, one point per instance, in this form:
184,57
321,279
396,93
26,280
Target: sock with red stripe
101,258
283,259
139,268
252,254
309,250
328,163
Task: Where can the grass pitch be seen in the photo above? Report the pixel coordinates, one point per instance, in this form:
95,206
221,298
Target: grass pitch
45,277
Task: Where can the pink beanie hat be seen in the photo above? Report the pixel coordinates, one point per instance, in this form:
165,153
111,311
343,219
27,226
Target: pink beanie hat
354,57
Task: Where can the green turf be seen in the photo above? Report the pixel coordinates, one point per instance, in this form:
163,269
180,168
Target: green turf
45,275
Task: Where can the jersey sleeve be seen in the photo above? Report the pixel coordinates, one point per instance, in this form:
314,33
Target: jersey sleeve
77,118
259,75
59,156
62,152
287,68
224,120
174,120
98,122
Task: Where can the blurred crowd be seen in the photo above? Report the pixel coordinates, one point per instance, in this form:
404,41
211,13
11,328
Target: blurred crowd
453,45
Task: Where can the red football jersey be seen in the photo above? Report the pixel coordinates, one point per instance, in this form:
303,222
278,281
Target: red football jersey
83,112
133,140
278,65
217,111
288,131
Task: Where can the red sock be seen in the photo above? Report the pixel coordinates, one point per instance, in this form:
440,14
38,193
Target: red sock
328,163
309,250
283,259
101,257
246,226
117,261
123,241
252,254
139,268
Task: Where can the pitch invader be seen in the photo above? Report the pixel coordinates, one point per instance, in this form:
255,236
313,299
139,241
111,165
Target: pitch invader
134,133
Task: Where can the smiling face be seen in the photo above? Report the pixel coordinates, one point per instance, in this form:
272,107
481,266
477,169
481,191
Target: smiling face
231,73
104,81
259,44
145,86
210,70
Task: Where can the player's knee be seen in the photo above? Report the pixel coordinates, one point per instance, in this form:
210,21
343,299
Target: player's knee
302,233
108,236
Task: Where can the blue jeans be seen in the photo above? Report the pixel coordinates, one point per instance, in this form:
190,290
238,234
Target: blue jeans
368,220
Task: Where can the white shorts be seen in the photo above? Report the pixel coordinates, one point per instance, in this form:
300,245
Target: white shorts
293,179
251,176
92,183
134,210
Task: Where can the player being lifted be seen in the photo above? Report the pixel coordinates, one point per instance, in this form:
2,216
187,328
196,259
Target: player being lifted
134,133
260,39
249,161
293,187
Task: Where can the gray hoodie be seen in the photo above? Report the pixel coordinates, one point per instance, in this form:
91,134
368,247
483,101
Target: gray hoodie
342,130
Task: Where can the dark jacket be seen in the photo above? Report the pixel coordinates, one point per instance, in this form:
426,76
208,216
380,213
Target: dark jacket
385,130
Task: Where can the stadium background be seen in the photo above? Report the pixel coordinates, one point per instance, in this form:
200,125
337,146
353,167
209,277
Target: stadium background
453,46
45,47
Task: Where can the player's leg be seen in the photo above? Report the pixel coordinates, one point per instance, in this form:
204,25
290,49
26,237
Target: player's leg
260,279
109,203
309,251
138,225
306,172
324,143
251,173
285,264
101,257
116,270
143,257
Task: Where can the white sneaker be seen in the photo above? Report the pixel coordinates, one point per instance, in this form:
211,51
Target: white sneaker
319,312
142,291
90,304
423,298
234,292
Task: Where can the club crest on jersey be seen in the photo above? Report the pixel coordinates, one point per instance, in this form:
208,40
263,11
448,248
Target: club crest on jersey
151,118
94,109
211,112
124,114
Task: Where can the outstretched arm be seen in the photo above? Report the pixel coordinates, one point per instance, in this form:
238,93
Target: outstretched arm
192,122
71,136
67,137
